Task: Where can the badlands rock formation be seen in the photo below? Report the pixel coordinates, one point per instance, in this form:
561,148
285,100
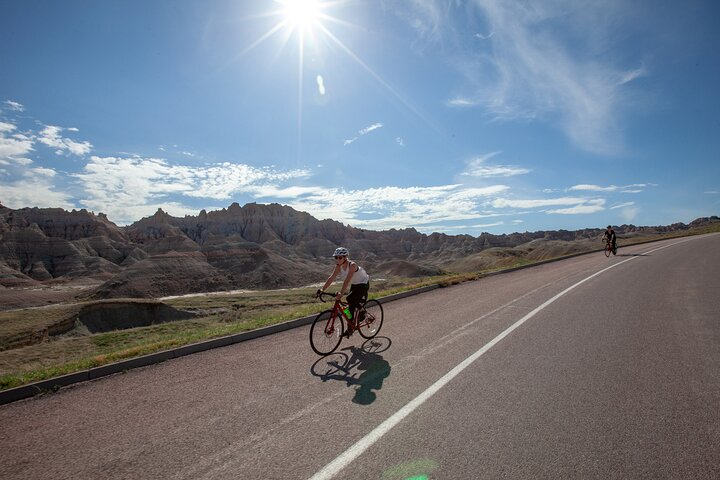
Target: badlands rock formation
254,246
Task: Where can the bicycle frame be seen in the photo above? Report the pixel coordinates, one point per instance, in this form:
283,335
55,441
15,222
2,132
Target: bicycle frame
339,308
609,248
327,329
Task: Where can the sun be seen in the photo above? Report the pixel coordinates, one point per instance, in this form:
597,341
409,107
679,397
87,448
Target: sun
308,22
301,14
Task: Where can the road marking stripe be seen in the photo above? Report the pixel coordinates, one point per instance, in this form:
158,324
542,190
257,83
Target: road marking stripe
334,467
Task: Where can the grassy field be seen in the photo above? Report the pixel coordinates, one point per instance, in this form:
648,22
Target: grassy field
29,351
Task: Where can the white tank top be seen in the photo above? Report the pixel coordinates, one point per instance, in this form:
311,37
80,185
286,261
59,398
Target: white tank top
358,277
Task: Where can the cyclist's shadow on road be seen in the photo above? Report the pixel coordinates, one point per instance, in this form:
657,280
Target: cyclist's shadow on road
362,367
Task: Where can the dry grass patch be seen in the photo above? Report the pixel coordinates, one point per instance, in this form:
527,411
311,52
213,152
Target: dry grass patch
28,352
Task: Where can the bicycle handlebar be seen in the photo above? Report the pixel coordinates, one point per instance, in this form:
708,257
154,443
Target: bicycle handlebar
321,296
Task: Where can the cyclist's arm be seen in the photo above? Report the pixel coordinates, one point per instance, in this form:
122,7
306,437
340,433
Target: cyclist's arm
331,278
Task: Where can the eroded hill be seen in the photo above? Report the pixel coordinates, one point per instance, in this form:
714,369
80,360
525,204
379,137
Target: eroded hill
254,246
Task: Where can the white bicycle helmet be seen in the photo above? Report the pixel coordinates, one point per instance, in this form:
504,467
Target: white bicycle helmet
341,252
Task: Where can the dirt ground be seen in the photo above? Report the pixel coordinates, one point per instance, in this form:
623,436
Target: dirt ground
12,298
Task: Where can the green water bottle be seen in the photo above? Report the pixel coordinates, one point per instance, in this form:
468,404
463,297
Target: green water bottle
348,314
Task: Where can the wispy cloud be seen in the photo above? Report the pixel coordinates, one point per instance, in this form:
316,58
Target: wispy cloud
634,188
396,207
532,72
458,228
14,106
622,205
484,37
427,18
370,128
362,132
574,205
629,76
461,102
538,203
592,206
537,73
478,168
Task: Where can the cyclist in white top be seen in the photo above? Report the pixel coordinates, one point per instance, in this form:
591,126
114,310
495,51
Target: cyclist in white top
355,277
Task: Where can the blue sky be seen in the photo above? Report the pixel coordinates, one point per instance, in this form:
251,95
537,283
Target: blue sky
451,116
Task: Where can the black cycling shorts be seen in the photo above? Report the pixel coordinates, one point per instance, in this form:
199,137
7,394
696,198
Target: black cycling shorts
358,294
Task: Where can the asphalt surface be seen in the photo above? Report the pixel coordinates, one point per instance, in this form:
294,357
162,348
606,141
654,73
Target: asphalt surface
548,372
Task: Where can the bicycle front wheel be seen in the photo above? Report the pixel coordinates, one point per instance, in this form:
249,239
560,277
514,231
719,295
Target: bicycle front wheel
326,332
608,249
370,324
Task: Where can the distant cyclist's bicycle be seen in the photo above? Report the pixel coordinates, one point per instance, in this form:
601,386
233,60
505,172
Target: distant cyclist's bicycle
609,248
329,327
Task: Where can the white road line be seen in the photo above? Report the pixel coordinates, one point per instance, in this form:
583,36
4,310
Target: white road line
334,467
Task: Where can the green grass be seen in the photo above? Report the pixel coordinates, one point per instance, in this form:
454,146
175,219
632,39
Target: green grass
218,315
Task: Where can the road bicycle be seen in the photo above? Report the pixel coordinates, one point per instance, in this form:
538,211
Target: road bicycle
328,328
609,248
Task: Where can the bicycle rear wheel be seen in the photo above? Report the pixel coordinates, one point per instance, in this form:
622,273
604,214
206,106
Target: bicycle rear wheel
326,332
370,319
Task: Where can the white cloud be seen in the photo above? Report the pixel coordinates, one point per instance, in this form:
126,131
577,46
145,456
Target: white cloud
362,132
127,187
369,129
622,205
35,189
634,188
592,206
14,147
286,192
460,228
631,75
40,171
50,136
399,207
15,106
477,168
538,203
532,71
484,37
400,141
593,188
461,102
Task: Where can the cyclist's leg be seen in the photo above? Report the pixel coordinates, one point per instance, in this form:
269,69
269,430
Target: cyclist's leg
356,297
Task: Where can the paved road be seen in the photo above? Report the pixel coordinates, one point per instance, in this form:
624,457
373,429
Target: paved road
567,370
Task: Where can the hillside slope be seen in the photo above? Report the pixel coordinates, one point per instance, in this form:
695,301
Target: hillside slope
254,246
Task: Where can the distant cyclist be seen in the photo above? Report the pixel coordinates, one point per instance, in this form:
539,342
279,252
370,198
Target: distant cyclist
609,236
354,277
